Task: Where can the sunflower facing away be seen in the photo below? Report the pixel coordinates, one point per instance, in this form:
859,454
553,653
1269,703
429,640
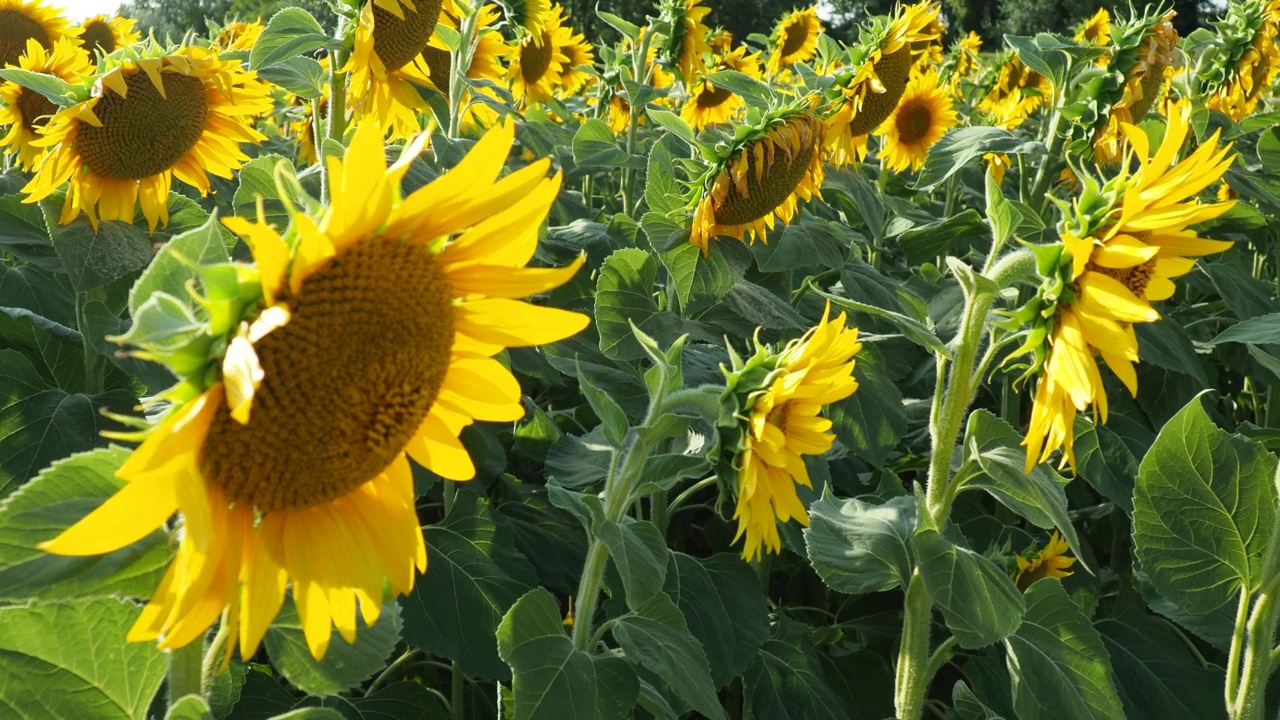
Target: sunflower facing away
1143,54
1096,30
1123,244
388,62
147,121
762,179
965,55
23,20
710,105
104,34
238,35
369,337
1051,562
530,16
1250,55
539,61
794,39
26,111
922,117
783,423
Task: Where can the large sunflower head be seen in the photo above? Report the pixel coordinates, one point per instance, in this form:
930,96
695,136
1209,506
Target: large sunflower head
688,41
865,95
104,34
391,58
1051,561
238,35
794,39
360,338
23,20
923,116
776,401
26,111
710,105
760,177
1143,54
1123,243
1096,30
1247,58
539,61
148,120
1016,92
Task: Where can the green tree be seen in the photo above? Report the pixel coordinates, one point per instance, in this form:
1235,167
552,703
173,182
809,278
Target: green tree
171,19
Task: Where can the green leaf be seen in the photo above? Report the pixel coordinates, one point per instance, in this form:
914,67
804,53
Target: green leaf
1269,151
727,614
942,237
1057,663
1104,462
1264,330
627,28
54,351
967,706
595,146
1166,344
258,182
24,234
397,701
640,553
964,145
662,193
300,75
190,707
69,661
170,271
58,91
291,32
857,547
311,713
739,84
672,122
871,421
550,680
578,462
979,602
656,636
344,666
613,420
761,307
93,258
474,576
785,683
1203,511
624,295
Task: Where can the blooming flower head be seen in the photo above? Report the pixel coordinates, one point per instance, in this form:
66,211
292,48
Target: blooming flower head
1050,562
921,118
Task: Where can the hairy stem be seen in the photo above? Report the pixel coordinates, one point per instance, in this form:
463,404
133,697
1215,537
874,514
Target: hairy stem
911,674
186,666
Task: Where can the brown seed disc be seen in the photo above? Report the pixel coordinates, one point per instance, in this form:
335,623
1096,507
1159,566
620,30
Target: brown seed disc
913,121
144,134
535,59
894,70
1151,83
98,38
346,383
397,42
35,109
793,38
438,63
714,97
15,29
776,183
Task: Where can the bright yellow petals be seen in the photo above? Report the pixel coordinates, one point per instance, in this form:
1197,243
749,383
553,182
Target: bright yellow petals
389,60
692,37
1051,562
795,39
540,62
25,111
710,105
1017,92
23,20
923,116
1144,84
1096,30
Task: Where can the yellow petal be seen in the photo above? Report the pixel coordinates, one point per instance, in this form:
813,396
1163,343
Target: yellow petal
126,517
513,323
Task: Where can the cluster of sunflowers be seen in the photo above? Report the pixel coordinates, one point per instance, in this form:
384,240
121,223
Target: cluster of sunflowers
407,205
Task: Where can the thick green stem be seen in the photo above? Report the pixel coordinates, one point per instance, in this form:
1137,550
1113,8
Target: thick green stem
336,121
186,666
1040,188
913,653
1255,664
457,694
461,63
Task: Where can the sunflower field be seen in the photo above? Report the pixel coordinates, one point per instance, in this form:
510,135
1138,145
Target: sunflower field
454,365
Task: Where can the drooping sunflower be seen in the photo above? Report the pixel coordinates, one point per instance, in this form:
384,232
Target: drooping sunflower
928,53
710,105
488,60
922,117
1248,57
965,54
1143,54
539,61
388,62
794,39
530,16
720,41
148,120
688,40
23,20
1016,92
1123,244
1096,30
26,111
779,399
1051,561
864,96
103,34
761,178
368,336
238,35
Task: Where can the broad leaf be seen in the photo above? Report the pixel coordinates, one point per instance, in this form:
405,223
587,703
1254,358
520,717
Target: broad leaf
979,602
727,614
344,665
656,636
786,683
857,547
640,553
871,421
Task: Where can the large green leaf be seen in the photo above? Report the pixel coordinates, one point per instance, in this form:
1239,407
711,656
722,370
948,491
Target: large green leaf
942,237
979,602
1104,462
93,257
964,145
23,232
624,295
786,683
656,636
474,576
871,421
291,32
397,701
640,553
1203,512
1264,330
344,665
69,661
857,547
550,679
727,614
172,267
258,183
1166,344
1057,663
595,146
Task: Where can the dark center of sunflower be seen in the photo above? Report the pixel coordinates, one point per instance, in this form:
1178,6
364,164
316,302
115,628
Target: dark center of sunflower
913,121
793,37
142,133
35,109
893,70
712,96
1135,278
779,416
535,58
1016,73
346,383
438,63
398,41
775,184
98,38
15,29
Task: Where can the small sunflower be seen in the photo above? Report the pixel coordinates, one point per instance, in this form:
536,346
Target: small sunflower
782,422
530,16
761,179
1248,59
488,59
710,105
23,20
367,336
965,53
1143,54
1016,92
1096,30
795,39
864,96
720,41
928,53
922,117
688,41
1051,562
104,34
578,53
539,61
148,120
1123,244
26,111
238,35
388,62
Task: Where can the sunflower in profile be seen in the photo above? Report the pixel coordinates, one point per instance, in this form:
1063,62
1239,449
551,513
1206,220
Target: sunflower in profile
104,34
1248,57
965,58
1124,242
794,39
761,178
928,53
720,41
1050,562
1016,92
147,121
1143,54
238,35
488,59
530,16
685,47
1096,30
26,111
578,53
539,61
710,105
865,95
778,400
23,20
922,117
365,337
388,62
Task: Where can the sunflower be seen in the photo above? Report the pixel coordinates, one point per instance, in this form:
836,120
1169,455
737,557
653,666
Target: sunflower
1017,92
1051,562
866,95
966,52
1123,244
289,461
539,61
26,111
389,62
761,178
720,41
710,105
1250,55
1096,30
928,53
183,114
795,39
922,117
1144,54
23,20
488,58
238,35
103,34
783,423
688,40
530,16
578,53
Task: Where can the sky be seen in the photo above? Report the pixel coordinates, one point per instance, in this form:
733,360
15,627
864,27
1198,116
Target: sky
80,9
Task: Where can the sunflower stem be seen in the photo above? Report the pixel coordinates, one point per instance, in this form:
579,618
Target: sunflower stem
92,359
912,672
186,666
1055,141
457,694
336,122
461,62
1255,637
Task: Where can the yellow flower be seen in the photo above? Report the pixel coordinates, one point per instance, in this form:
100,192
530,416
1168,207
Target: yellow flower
376,340
1144,83
710,105
530,16
761,180
27,111
149,120
1051,562
720,41
795,39
388,62
487,62
966,51
928,53
578,53
539,62
785,424
23,20
1117,261
103,35
922,117
1017,92
998,163
1096,30
1259,61
688,39
237,35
